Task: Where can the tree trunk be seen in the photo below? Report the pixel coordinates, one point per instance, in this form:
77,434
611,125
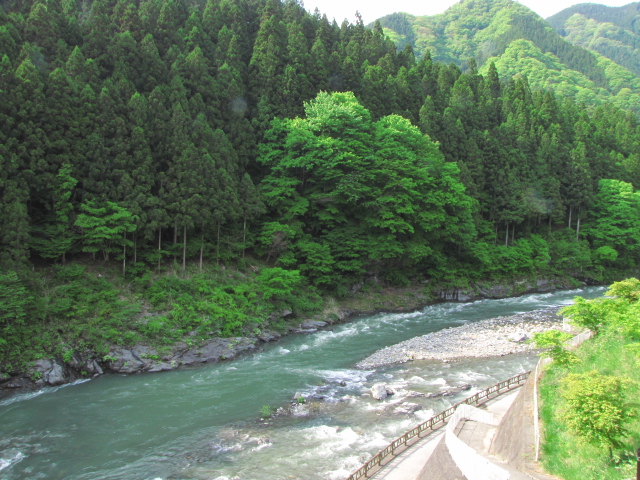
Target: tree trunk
64,258
570,212
513,233
159,245
244,236
175,240
124,254
201,247
184,247
578,229
506,237
218,246
135,247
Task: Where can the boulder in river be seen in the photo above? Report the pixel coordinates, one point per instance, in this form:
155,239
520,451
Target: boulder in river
379,391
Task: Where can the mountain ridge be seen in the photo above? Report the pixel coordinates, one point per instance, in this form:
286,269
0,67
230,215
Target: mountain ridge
488,31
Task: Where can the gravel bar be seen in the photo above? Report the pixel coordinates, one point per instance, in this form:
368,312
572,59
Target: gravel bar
488,338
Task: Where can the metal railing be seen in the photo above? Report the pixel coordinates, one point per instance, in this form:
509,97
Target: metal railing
434,423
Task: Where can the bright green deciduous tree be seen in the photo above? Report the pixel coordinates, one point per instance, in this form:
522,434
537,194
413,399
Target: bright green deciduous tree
371,196
105,228
553,342
596,408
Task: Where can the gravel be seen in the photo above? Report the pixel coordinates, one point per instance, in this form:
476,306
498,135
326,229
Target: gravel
488,338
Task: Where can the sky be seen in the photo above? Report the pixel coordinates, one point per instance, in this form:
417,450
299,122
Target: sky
371,10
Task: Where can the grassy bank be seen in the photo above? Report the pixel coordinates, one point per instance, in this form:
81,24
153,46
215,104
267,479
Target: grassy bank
566,452
88,307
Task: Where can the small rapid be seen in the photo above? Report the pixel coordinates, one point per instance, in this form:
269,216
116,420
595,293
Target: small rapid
208,422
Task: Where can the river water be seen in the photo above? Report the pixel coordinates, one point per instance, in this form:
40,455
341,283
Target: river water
205,422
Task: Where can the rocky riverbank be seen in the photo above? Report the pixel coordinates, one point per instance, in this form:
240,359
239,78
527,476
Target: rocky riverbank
489,338
142,358
148,359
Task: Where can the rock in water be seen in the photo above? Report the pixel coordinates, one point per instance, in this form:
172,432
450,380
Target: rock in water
379,391
518,337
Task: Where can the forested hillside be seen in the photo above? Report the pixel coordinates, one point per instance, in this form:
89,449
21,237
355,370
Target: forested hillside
610,31
518,41
169,133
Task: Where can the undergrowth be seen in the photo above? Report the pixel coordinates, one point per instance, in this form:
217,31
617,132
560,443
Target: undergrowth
564,453
88,307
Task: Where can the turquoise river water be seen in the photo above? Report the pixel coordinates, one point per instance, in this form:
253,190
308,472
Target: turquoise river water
204,423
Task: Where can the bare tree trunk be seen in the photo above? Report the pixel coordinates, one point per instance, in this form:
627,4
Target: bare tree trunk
506,238
201,248
184,247
64,258
159,245
124,254
135,247
218,246
570,214
244,236
175,240
495,235
513,233
578,229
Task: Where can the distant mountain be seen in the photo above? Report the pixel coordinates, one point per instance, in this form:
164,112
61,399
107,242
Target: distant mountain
519,41
613,32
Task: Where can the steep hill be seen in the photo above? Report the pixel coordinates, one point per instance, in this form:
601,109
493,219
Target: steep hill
520,42
613,32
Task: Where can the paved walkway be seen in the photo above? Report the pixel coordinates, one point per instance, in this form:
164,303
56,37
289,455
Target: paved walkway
408,464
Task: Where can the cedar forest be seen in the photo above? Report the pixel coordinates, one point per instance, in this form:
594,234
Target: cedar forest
215,162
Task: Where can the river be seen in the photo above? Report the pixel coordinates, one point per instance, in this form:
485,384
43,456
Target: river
205,422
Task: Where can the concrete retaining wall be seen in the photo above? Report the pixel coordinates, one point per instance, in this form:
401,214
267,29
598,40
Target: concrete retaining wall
473,465
514,440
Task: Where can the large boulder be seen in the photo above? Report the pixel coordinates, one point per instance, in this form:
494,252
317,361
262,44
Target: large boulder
50,373
379,391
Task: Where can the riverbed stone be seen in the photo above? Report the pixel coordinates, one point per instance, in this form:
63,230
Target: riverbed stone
267,336
487,338
160,367
310,324
379,391
407,408
518,337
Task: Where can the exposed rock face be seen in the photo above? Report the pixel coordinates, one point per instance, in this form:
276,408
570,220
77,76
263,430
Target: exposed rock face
130,360
50,372
142,358
479,291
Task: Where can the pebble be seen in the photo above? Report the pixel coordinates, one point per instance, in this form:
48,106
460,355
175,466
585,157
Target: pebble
487,338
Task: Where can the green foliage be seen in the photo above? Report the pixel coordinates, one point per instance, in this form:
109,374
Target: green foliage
202,134
374,195
595,407
597,64
614,229
266,411
589,314
592,403
553,341
105,227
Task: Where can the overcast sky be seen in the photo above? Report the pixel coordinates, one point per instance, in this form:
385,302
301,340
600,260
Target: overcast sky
370,10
